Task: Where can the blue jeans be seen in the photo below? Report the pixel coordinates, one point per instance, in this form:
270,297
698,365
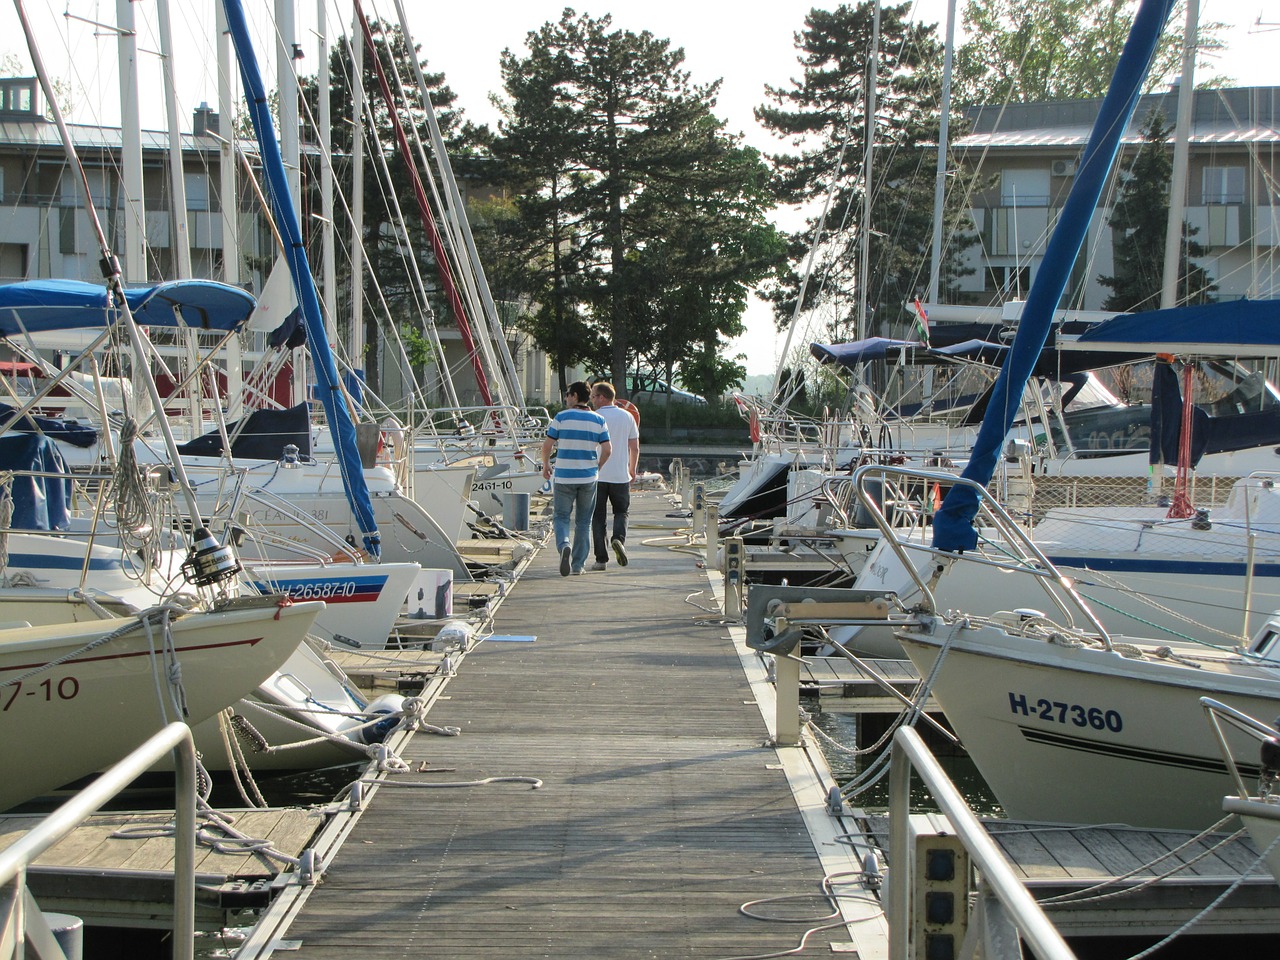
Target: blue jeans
578,499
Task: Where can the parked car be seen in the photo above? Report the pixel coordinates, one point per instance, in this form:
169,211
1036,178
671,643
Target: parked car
643,388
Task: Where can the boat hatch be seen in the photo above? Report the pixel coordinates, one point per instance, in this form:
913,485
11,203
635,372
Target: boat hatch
1264,641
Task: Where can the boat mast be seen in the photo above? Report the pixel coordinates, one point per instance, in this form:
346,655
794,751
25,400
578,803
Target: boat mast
869,131
287,85
456,215
135,223
229,202
355,336
940,178
328,253
1173,245
179,240
282,209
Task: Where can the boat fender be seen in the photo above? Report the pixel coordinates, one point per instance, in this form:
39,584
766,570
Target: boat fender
453,633
390,706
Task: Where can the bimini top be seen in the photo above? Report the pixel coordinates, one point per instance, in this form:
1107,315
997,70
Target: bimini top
39,306
1236,328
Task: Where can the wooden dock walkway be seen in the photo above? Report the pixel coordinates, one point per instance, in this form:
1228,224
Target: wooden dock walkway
662,809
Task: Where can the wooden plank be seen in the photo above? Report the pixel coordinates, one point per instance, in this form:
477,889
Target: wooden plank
93,846
661,810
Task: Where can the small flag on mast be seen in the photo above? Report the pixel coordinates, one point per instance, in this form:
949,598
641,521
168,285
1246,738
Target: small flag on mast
922,321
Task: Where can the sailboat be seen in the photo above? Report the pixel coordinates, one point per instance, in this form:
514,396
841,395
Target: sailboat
1067,721
78,696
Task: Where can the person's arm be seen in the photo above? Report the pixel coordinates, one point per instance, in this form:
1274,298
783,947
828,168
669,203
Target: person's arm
606,448
633,455
547,446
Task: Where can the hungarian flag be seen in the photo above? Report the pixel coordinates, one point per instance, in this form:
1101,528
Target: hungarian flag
922,321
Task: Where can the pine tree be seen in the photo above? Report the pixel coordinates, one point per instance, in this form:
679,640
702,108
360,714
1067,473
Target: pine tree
644,221
1139,221
824,113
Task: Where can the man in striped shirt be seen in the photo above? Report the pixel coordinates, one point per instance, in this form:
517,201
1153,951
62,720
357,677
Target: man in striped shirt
581,440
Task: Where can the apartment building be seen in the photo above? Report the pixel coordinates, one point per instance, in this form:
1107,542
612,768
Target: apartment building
1029,155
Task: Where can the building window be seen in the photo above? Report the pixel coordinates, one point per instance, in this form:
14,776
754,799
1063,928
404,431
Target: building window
1024,188
1008,283
1223,185
67,229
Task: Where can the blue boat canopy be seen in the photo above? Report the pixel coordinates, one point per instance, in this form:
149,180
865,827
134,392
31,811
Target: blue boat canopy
1237,328
40,306
860,351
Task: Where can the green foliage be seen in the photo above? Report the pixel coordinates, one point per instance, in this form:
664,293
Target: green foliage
643,223
823,114
1138,224
421,351
1060,49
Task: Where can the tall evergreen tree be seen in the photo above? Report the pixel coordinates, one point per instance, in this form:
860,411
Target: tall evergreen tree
645,222
1139,221
824,112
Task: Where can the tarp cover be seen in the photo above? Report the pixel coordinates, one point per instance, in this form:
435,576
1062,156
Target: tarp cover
68,431
263,437
39,502
1231,328
39,306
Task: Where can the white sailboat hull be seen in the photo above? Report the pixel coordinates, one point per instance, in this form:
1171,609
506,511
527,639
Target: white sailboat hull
84,714
1082,735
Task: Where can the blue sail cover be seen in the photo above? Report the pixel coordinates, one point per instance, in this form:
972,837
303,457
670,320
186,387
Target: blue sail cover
1233,328
335,409
953,523
860,351
40,306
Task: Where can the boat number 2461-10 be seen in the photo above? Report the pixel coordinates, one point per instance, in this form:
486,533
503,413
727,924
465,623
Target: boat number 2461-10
64,689
1073,713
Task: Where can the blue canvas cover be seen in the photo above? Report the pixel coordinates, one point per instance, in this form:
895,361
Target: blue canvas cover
68,431
1240,328
39,502
38,306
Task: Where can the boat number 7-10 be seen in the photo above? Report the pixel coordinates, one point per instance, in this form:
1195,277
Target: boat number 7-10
1058,712
64,689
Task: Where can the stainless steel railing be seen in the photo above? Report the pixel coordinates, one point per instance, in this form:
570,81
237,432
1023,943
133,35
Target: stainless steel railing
22,920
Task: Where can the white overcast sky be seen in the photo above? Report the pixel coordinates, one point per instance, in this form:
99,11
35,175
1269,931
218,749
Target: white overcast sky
745,45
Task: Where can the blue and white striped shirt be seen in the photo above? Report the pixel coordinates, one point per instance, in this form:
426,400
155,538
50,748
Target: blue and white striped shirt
578,435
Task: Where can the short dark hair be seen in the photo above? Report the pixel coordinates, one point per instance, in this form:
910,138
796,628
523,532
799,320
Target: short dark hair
605,389
579,390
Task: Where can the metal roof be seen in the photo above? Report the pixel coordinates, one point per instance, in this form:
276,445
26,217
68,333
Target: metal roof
1242,116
